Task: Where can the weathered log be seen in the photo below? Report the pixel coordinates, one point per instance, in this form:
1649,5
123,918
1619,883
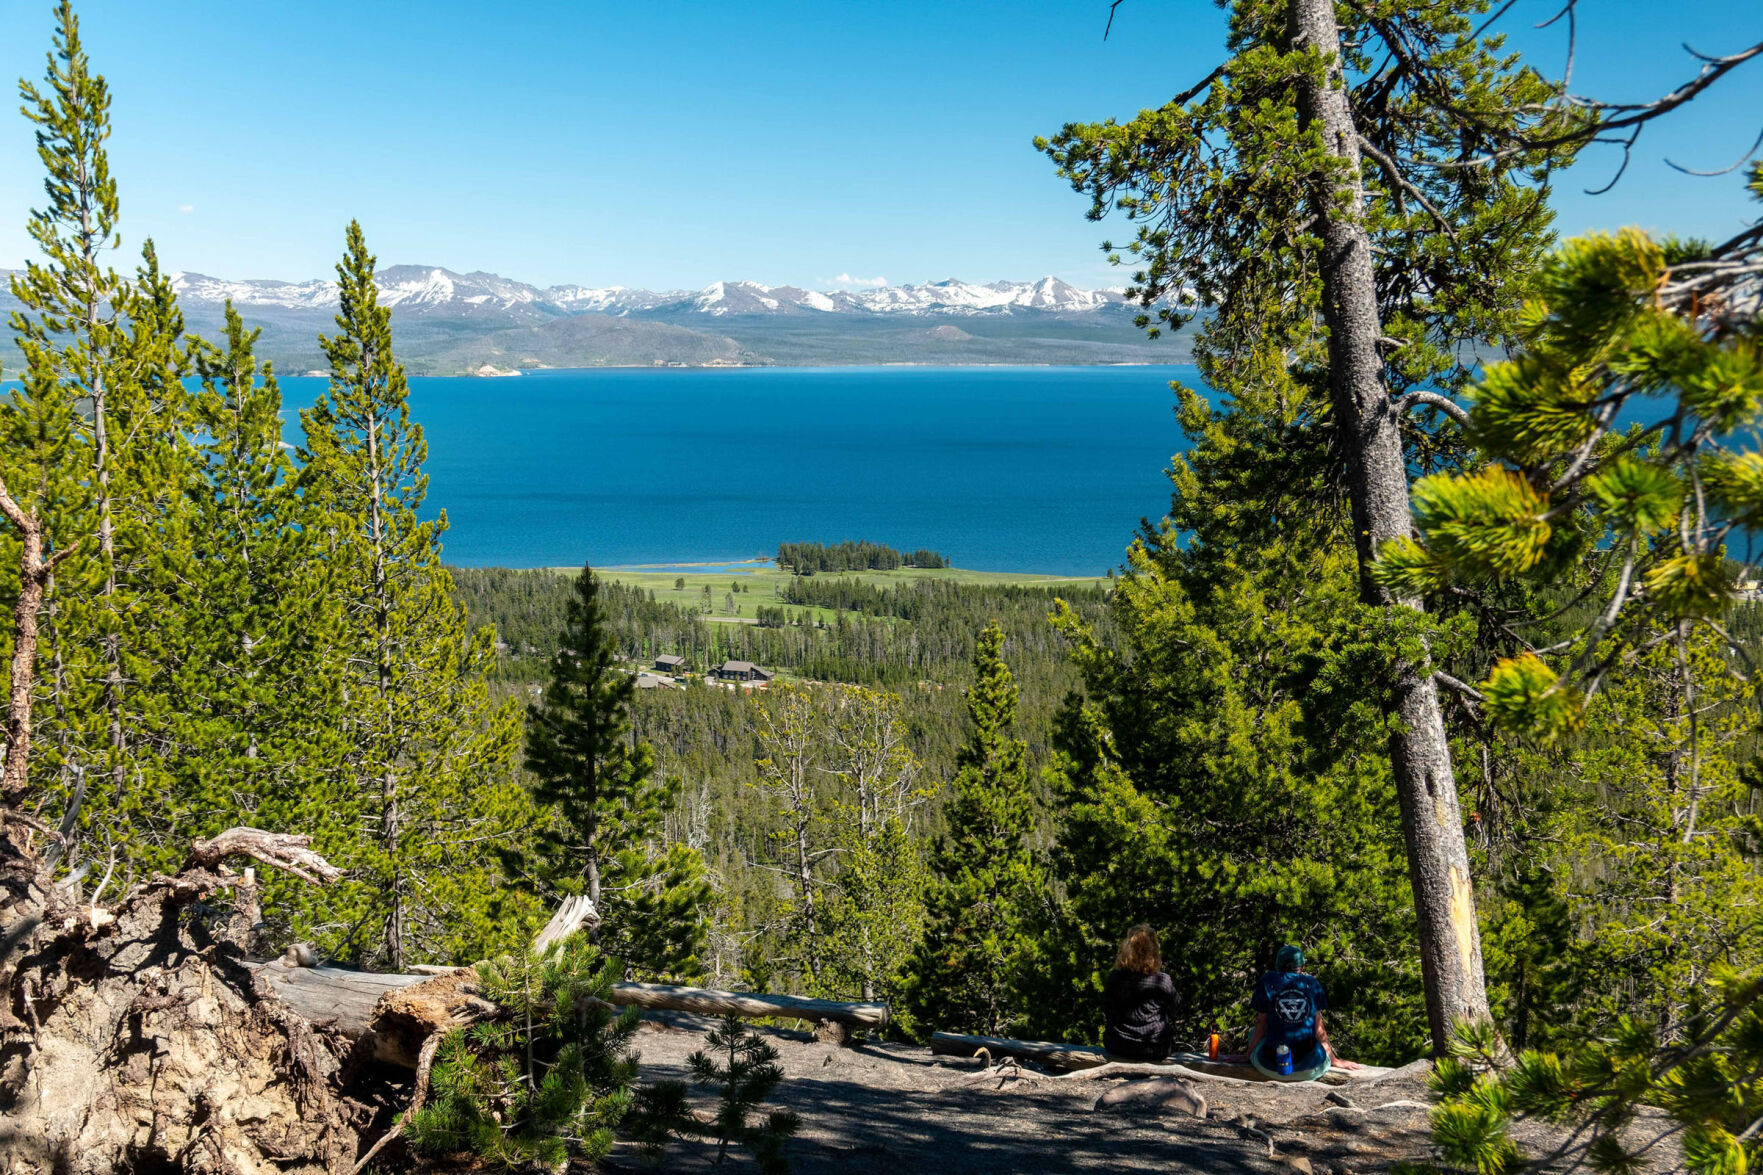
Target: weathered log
333,994
349,1001
1054,1054
711,1002
1059,1055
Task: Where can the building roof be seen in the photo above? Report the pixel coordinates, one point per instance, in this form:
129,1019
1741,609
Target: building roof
669,659
739,667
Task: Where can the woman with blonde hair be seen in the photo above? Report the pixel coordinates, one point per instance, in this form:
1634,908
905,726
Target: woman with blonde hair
1139,1000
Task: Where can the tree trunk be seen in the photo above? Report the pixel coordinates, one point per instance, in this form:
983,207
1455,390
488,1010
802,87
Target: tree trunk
1377,482
391,828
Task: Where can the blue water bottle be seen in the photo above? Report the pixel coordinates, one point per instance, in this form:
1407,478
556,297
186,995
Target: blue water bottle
1283,1057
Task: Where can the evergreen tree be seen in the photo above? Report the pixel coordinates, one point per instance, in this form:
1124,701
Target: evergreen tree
1639,695
425,793
606,836
255,706
1225,781
548,1079
791,732
97,447
1617,319
1706,1088
742,1067
873,912
1311,191
988,889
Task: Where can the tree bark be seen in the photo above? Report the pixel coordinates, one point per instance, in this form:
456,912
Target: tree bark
1377,482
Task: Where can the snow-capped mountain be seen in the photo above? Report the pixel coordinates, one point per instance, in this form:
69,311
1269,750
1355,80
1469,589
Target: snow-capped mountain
432,290
199,287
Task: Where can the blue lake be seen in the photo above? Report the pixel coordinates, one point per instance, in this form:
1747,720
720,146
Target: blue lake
999,468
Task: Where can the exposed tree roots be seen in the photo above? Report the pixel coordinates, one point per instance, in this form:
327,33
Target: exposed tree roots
134,1038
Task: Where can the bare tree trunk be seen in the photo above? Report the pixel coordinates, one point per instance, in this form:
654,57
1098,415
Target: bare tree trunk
391,826
1377,480
33,577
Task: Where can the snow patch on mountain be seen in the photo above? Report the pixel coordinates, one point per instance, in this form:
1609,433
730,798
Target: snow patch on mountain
431,289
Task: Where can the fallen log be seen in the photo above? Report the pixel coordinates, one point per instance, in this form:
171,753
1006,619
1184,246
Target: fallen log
1071,1057
710,1002
349,1001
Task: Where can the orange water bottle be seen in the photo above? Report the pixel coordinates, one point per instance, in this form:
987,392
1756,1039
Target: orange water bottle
1212,1046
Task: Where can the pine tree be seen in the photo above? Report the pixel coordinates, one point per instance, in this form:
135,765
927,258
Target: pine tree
873,911
97,442
1311,192
1616,318
988,888
791,735
606,836
873,907
253,702
1640,695
742,1067
425,793
1224,780
547,1079
1706,1088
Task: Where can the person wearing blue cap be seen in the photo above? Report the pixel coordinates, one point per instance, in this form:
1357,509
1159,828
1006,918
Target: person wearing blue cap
1288,1008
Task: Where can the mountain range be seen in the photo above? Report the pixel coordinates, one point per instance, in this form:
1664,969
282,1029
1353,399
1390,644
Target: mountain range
434,290
448,323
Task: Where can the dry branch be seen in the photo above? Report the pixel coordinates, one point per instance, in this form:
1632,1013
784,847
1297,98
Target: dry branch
282,850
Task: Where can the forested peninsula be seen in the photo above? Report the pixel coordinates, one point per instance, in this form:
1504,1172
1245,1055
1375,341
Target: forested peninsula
1420,730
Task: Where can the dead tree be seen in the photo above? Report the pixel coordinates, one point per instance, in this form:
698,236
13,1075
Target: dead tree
35,569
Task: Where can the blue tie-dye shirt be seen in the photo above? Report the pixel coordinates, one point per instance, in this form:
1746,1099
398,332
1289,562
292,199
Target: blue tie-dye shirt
1291,1001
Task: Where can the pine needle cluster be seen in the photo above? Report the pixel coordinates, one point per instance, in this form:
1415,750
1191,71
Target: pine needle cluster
1709,1084
1558,473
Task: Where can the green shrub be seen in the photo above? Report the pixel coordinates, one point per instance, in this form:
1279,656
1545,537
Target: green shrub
546,1079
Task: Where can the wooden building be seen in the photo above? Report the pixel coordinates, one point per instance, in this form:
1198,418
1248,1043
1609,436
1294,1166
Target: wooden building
742,671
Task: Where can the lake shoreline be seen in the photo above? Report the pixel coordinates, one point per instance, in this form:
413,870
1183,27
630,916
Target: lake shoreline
694,571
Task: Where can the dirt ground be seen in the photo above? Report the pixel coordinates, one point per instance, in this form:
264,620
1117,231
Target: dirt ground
890,1109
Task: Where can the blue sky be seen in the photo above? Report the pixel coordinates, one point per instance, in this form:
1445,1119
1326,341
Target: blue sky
673,143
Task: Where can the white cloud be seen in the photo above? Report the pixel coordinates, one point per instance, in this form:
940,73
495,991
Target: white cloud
846,282
186,209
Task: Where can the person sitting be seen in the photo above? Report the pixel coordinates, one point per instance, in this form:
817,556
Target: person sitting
1288,1008
1139,1001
